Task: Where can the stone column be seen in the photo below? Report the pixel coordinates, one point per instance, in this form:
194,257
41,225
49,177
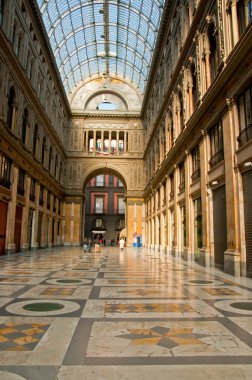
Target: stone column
44,221
11,216
190,101
208,69
232,254
102,141
125,142
36,215
50,221
94,141
205,252
109,146
134,218
87,141
188,209
176,212
25,216
117,142
235,22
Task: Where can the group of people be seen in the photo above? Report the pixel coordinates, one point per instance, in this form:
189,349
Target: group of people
101,242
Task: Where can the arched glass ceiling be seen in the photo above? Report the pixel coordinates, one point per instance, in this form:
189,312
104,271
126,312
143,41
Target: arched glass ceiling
107,37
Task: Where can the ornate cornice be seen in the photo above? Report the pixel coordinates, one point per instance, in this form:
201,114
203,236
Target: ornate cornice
101,115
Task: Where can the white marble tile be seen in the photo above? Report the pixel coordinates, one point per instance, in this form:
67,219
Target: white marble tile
160,372
75,274
158,339
58,292
220,292
51,348
244,322
8,290
148,309
153,292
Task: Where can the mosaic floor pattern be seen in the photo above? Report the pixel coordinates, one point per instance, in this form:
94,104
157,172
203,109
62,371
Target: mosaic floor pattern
65,315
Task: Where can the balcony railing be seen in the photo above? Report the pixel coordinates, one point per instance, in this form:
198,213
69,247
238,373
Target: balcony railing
195,175
216,158
245,135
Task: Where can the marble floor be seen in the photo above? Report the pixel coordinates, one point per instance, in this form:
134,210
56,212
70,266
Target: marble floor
132,315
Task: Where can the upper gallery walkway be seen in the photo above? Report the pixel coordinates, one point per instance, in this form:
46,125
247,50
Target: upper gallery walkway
129,314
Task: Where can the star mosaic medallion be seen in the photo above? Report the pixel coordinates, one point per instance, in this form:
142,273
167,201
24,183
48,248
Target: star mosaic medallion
164,337
221,292
148,308
56,291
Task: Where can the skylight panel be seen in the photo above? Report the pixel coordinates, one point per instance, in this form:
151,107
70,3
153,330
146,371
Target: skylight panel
83,43
53,11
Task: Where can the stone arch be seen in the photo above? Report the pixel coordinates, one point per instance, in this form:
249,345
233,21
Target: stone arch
91,173
106,91
107,169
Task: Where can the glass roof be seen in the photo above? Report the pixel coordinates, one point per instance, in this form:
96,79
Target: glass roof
106,37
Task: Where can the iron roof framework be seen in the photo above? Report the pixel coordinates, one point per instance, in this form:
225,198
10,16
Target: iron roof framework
113,38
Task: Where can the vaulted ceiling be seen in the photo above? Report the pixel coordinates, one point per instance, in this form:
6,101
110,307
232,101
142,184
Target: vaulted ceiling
110,38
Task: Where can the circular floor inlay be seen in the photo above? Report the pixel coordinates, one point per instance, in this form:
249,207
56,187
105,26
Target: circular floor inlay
202,282
232,306
242,305
43,306
68,281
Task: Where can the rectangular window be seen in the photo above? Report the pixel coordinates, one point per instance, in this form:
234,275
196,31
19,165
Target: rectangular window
216,143
100,180
48,199
41,195
197,227
245,117
121,206
98,223
172,186
32,190
195,163
99,205
181,176
120,184
5,171
21,182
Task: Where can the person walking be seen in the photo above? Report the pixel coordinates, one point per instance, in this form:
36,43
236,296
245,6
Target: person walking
121,243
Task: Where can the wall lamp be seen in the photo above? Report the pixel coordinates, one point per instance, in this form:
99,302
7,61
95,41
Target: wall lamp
249,163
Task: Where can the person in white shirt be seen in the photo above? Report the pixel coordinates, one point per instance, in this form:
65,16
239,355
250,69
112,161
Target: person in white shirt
121,243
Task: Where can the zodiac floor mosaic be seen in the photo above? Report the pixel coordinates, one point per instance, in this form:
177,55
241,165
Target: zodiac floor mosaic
132,315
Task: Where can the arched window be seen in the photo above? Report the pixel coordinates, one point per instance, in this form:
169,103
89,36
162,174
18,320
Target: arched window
35,139
50,160
56,166
1,11
60,171
43,151
195,92
214,58
14,32
24,126
10,111
181,110
18,45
